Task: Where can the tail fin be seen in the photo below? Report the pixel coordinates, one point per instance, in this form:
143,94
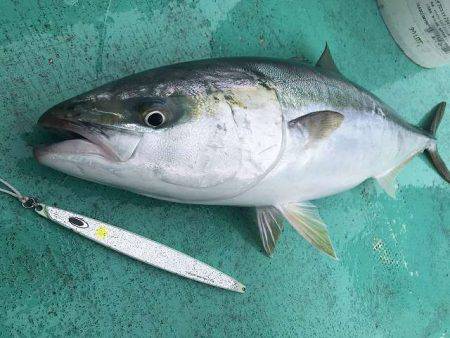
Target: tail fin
432,153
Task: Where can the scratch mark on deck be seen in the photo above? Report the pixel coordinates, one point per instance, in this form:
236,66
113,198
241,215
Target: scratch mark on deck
101,44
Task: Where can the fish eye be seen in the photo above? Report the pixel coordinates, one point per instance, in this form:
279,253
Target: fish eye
154,118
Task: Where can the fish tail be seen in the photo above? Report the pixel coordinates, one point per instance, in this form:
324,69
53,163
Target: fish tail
432,151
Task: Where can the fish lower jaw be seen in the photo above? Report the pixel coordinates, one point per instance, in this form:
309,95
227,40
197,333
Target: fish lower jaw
70,148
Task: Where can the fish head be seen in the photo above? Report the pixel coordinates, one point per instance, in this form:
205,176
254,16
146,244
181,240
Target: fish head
168,135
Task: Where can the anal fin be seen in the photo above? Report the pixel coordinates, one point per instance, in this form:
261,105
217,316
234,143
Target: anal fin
305,218
388,181
270,226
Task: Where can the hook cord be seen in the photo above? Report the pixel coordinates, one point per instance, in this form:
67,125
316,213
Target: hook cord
13,191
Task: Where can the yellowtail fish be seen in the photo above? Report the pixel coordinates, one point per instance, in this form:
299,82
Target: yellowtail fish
267,133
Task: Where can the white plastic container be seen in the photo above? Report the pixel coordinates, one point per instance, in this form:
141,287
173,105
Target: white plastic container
421,28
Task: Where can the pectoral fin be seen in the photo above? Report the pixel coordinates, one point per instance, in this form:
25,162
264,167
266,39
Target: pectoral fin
318,125
305,218
270,226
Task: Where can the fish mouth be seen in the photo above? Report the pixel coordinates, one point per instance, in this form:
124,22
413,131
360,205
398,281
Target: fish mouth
79,138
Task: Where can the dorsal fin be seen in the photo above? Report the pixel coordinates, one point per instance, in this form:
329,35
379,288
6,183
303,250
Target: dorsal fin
318,125
326,61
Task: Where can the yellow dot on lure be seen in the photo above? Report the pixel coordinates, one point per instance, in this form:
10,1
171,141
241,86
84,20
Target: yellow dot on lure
101,232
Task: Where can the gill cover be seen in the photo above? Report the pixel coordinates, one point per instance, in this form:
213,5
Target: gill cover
230,143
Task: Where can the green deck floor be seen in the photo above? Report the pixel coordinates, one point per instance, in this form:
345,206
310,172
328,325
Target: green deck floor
393,275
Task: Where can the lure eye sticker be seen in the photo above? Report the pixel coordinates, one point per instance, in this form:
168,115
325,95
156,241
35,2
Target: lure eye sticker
78,222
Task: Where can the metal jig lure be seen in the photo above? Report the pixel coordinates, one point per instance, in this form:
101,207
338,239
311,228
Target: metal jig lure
129,244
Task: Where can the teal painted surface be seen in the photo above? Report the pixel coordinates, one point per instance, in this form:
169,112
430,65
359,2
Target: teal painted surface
393,275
